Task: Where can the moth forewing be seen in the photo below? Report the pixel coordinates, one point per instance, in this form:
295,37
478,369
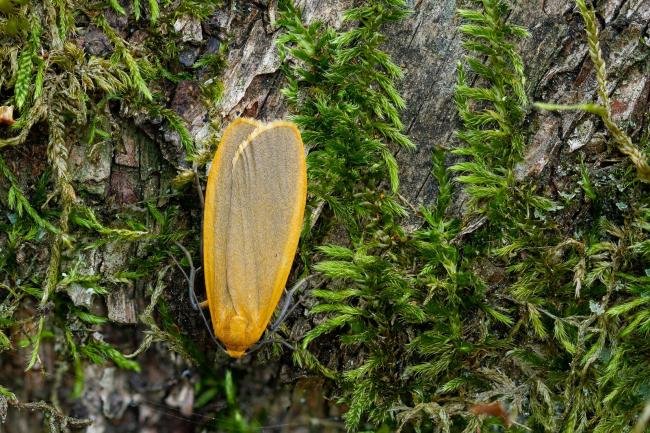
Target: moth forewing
217,197
261,188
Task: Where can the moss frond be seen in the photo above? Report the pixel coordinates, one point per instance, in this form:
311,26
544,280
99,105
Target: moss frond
69,97
501,306
603,109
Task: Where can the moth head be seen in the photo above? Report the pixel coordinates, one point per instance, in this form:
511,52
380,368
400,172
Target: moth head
236,337
236,353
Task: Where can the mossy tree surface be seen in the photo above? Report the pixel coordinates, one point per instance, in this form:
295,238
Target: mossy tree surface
84,231
506,304
503,289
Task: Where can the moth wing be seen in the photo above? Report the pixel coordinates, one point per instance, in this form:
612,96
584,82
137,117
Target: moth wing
216,219
269,189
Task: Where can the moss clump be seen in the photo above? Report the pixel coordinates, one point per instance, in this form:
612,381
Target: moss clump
68,94
341,86
503,306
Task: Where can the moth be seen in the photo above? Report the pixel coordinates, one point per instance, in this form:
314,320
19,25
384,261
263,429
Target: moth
254,206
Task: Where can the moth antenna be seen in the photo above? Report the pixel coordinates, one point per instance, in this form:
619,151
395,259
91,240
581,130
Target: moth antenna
192,294
207,326
266,341
287,306
287,309
199,190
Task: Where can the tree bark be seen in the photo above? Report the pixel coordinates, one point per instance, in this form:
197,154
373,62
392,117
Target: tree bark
427,46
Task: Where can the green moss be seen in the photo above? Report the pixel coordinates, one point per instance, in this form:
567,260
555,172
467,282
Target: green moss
504,306
526,300
341,87
64,98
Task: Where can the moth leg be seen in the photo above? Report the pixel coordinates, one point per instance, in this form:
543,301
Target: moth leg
269,340
191,278
287,307
283,342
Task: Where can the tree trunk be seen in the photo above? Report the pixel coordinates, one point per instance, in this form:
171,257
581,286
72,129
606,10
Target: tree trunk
144,160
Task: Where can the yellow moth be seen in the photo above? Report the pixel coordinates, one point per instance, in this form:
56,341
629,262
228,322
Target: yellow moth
254,206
